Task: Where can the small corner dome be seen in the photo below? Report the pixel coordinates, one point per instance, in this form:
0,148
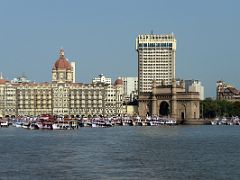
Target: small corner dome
2,80
119,82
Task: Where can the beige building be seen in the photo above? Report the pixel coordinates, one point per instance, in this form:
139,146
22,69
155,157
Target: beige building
130,88
8,100
60,97
227,92
102,79
170,100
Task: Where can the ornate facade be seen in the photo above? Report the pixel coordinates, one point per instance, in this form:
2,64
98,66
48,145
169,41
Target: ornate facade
170,100
227,92
61,97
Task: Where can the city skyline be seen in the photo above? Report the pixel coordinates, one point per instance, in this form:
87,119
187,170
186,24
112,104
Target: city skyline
100,37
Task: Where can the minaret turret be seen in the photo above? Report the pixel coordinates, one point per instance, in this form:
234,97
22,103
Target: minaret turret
154,99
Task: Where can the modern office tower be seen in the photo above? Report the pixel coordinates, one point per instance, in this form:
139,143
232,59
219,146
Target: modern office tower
195,86
130,88
102,79
156,60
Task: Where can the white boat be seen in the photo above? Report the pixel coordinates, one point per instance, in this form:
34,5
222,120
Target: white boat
94,125
4,124
25,125
171,122
214,122
101,123
33,126
224,121
18,124
153,123
60,126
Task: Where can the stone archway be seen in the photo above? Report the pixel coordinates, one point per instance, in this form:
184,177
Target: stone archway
182,111
164,109
182,115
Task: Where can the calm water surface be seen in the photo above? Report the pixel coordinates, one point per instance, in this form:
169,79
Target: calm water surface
180,152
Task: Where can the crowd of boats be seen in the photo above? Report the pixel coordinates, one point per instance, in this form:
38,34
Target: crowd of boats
226,121
61,123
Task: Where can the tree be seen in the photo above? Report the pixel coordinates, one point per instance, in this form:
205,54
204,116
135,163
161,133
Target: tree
212,108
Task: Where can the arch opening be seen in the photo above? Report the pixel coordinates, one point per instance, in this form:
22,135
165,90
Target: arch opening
164,109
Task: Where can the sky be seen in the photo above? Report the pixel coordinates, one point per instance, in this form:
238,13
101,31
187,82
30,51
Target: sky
100,37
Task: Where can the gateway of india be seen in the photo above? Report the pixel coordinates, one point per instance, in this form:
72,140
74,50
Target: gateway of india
159,92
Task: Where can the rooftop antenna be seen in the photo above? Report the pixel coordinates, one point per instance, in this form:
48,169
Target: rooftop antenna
151,32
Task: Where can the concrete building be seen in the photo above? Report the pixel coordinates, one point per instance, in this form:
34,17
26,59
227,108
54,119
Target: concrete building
156,60
102,79
73,65
227,92
60,97
195,86
21,79
8,102
130,88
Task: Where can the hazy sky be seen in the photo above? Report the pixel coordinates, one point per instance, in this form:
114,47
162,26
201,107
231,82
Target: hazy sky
100,35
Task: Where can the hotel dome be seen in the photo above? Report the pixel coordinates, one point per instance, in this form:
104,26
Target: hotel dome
62,62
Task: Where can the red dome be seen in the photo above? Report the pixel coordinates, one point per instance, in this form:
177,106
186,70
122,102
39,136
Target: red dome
119,82
62,62
2,81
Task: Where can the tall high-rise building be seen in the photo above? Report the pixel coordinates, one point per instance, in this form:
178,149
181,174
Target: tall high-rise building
156,60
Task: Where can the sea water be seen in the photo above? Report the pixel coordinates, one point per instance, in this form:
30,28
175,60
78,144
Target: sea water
167,152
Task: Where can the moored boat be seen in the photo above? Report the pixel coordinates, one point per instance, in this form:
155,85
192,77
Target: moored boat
60,126
33,126
25,125
4,124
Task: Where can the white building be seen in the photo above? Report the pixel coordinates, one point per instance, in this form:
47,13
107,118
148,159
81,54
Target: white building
102,79
156,60
20,79
130,88
195,86
73,65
